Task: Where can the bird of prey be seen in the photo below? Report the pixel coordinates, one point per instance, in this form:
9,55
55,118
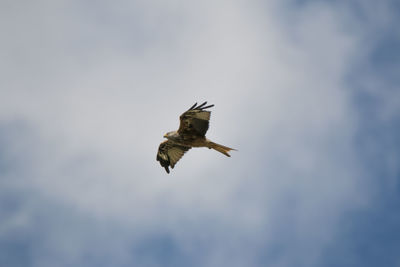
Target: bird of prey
191,133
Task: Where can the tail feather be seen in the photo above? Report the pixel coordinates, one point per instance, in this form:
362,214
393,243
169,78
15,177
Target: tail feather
220,148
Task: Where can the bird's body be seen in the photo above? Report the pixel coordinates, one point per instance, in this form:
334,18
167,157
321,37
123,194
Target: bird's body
193,126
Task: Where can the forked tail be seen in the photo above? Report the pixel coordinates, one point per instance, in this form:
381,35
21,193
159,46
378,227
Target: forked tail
220,148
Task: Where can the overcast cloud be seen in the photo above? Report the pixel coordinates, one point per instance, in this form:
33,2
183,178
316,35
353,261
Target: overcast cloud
307,91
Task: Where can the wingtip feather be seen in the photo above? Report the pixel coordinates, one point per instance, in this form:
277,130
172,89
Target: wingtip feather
200,107
209,106
192,107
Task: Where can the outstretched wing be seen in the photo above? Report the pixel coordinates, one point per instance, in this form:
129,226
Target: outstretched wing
170,153
194,122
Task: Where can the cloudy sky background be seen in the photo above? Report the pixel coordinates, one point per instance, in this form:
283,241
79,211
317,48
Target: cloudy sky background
307,91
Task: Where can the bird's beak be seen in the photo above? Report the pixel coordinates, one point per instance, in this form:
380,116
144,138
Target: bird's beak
165,136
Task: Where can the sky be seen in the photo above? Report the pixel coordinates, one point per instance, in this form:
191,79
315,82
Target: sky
307,91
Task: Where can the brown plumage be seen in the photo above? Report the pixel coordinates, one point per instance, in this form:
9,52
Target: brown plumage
192,131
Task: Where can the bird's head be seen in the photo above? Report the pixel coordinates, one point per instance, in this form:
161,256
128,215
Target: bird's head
171,135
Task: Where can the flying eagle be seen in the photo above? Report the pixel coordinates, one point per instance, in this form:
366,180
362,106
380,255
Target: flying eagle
191,133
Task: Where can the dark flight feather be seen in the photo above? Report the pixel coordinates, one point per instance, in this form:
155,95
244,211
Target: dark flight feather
169,154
